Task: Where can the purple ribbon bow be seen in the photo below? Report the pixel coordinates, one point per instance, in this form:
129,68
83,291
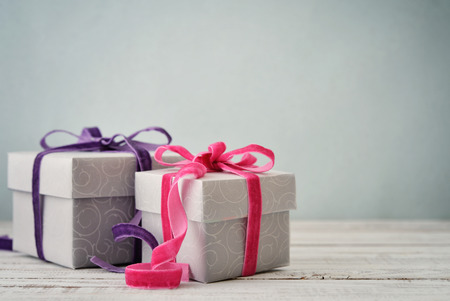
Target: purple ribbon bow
91,140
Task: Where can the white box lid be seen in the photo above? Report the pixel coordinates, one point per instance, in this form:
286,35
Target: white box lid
78,174
217,196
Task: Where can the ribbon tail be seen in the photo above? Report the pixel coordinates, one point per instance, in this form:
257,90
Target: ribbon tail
122,231
165,222
143,159
6,243
106,266
163,272
141,275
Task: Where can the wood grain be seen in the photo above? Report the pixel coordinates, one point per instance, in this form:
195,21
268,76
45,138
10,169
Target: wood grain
330,260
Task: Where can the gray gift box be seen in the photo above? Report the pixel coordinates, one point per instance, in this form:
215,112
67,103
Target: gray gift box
216,207
83,194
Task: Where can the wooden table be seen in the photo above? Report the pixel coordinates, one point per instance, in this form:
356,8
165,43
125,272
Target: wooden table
330,260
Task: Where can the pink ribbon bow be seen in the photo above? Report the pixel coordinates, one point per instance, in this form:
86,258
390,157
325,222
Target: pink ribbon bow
163,271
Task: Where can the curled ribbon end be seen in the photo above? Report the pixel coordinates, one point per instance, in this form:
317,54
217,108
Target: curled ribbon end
140,275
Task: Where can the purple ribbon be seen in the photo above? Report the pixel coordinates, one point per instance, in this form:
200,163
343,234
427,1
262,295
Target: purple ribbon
91,140
125,230
5,243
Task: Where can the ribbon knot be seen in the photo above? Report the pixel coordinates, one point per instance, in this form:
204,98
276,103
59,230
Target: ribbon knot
216,159
87,135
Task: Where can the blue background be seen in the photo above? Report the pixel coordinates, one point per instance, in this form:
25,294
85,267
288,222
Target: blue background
352,96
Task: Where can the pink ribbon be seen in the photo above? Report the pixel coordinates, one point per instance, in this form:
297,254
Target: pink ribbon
163,271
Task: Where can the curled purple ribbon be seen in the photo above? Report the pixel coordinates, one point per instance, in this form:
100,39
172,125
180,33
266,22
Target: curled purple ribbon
125,230
91,140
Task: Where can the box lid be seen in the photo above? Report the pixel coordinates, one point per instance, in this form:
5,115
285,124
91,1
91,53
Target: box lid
217,196
78,174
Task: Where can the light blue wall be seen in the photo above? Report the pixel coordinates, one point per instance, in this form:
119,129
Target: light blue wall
353,96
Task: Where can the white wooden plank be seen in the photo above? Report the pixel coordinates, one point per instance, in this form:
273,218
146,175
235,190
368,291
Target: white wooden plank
370,233
390,255
369,225
330,261
306,263
241,289
374,262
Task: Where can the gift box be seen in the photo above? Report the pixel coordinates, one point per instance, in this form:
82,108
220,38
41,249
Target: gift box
216,206
83,194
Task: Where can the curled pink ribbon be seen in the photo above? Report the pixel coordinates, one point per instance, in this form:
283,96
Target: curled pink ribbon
163,271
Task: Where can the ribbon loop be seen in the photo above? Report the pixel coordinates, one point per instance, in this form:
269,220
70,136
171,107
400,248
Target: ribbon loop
90,134
215,158
43,141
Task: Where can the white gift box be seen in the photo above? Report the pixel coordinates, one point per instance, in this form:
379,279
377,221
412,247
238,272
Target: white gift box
83,194
216,207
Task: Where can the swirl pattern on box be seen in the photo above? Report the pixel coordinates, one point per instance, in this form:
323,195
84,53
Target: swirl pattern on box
215,251
92,236
112,176
219,247
225,199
